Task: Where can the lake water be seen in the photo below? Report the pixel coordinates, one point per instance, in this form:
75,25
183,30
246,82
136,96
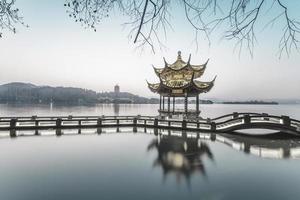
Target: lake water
123,164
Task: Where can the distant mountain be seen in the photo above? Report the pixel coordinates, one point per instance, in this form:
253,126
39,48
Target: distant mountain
17,92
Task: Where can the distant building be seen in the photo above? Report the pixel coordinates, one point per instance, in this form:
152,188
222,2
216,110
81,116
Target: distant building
117,88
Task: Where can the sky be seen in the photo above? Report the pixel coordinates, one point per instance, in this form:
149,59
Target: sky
56,51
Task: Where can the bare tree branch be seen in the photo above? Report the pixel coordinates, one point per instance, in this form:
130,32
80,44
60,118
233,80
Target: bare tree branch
149,20
9,16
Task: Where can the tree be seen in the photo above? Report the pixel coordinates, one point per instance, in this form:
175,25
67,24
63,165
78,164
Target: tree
149,20
9,16
238,18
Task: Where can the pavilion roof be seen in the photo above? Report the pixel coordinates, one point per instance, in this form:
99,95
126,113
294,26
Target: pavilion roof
201,87
180,75
180,66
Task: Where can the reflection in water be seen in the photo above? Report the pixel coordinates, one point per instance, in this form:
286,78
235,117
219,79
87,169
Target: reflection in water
276,146
215,166
116,109
182,153
179,155
186,148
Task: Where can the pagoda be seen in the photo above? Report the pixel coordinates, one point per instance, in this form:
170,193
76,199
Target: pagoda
179,80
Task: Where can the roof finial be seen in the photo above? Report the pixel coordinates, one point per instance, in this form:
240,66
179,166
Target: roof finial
166,64
189,59
179,55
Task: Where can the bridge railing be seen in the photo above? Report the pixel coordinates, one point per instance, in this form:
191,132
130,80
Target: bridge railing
230,122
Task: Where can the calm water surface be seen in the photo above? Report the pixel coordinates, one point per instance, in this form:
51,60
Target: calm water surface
209,110
122,164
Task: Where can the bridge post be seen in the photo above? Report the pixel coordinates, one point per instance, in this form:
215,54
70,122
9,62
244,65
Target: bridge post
247,119
134,121
99,121
265,116
36,123
235,115
286,121
184,124
155,123
58,122
213,126
13,123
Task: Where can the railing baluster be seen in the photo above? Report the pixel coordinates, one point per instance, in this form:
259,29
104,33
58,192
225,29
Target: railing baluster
286,121
210,124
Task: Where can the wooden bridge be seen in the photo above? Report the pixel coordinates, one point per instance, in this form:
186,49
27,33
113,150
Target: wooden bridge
227,123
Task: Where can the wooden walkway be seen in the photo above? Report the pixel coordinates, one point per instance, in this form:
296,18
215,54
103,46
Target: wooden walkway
227,123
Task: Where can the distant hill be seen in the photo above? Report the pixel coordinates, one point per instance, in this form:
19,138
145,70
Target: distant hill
18,92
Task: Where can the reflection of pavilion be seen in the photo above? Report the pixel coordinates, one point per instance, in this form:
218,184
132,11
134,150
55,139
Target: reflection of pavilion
181,156
182,153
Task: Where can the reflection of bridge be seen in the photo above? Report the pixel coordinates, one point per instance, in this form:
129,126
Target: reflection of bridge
276,146
227,123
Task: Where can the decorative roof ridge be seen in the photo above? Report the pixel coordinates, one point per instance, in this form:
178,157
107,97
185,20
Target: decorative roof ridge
213,80
189,60
166,64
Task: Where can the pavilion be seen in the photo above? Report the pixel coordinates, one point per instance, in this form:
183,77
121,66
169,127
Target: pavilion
178,80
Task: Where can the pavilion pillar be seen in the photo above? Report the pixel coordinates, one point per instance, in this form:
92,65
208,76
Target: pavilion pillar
159,102
163,103
197,103
168,104
186,103
173,104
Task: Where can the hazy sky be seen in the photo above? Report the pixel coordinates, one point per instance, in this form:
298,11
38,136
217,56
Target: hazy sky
56,51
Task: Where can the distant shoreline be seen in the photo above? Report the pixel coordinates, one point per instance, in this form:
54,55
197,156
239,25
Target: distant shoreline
252,102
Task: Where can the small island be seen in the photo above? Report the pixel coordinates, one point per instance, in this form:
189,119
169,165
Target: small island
252,102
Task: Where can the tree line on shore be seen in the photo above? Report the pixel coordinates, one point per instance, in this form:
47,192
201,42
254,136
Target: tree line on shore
28,93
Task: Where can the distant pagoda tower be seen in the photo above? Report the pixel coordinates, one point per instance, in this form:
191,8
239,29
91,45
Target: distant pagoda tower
179,80
117,89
